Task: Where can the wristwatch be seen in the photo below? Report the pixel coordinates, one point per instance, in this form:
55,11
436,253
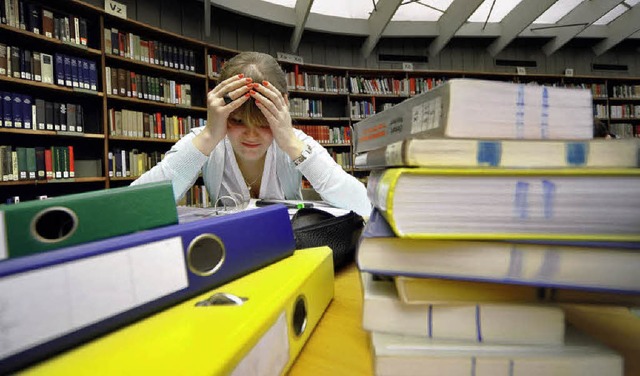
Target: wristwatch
306,153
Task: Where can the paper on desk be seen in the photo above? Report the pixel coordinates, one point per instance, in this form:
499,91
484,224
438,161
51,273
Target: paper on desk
191,213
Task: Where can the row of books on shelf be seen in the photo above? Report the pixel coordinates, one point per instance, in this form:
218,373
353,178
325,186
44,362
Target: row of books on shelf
125,83
626,91
305,107
627,111
20,111
132,46
327,83
343,158
326,134
130,123
361,109
197,196
625,130
36,163
214,65
31,16
393,86
59,69
124,163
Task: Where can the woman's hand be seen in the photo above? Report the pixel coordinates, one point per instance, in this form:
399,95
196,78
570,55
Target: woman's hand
275,108
235,89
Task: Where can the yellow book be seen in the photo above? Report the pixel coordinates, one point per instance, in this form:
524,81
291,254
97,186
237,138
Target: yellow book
260,321
413,290
616,327
496,323
485,203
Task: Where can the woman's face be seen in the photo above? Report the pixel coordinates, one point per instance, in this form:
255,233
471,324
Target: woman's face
250,142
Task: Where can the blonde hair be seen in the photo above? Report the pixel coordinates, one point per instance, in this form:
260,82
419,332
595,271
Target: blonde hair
259,67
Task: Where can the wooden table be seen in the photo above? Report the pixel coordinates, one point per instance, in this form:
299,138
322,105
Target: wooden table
339,345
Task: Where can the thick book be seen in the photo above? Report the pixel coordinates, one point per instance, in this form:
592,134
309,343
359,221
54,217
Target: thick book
101,286
417,290
472,108
488,203
581,355
256,324
612,267
382,311
449,152
43,225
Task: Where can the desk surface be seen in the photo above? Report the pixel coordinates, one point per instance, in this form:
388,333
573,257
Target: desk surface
339,345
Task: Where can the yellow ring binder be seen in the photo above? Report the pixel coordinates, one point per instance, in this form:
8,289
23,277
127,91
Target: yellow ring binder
205,255
50,224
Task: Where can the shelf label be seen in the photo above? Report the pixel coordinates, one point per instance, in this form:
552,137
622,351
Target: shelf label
115,8
407,67
568,72
521,70
290,58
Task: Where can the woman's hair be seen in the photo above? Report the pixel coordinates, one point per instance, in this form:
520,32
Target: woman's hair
600,128
260,67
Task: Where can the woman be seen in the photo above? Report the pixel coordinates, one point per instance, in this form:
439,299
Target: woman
250,147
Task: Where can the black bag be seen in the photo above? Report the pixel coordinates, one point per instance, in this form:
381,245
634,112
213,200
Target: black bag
314,228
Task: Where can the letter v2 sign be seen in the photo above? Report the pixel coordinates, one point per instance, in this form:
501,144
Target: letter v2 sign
115,8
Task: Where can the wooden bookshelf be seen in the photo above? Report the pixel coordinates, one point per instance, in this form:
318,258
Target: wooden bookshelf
326,97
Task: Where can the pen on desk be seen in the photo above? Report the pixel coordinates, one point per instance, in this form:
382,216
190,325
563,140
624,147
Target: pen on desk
290,205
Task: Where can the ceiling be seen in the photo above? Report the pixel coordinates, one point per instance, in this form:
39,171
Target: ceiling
608,22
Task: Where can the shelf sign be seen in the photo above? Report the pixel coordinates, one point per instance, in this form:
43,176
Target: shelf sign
407,67
114,8
290,58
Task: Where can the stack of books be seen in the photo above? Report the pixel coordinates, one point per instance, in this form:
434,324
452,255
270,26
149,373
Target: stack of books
116,281
494,213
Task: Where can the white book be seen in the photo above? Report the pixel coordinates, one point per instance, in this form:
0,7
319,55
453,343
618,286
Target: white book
46,68
450,152
472,108
561,264
580,355
483,323
490,203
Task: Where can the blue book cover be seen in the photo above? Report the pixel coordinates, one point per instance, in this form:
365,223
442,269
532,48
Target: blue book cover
80,72
75,75
587,265
27,112
93,75
59,69
16,110
7,109
85,74
58,299
68,72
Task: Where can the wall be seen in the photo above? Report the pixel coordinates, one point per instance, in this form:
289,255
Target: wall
243,33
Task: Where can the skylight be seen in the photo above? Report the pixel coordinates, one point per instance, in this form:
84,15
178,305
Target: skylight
424,10
432,10
616,12
558,10
496,12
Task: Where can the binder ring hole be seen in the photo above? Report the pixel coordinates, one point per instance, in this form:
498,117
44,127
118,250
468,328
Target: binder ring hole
54,224
205,254
300,316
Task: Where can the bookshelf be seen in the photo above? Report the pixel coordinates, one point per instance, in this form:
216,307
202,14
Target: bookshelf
127,125
155,93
